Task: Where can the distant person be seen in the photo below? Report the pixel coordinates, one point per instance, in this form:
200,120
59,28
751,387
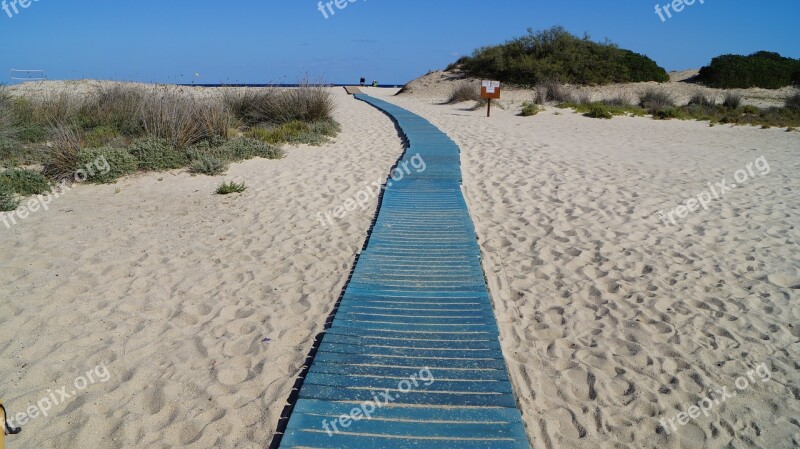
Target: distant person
363,81
375,83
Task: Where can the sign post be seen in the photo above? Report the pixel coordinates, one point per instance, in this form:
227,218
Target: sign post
490,90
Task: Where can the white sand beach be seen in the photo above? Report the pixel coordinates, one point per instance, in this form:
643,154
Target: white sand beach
203,308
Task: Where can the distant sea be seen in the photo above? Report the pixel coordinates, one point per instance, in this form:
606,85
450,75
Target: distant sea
283,85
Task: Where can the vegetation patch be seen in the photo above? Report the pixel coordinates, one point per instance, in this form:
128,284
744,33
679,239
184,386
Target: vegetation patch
529,109
227,188
464,91
208,165
8,201
762,69
119,163
24,182
157,154
555,54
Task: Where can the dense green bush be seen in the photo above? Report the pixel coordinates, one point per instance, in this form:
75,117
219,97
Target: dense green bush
157,154
24,182
555,54
793,102
120,163
763,69
529,109
8,201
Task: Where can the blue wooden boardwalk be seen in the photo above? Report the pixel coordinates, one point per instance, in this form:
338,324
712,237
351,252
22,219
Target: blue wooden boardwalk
415,323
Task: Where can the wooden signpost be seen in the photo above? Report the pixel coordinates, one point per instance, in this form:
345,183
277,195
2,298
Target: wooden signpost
490,90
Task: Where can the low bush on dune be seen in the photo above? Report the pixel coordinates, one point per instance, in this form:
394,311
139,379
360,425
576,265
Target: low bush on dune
793,102
762,69
8,118
702,100
296,132
464,91
24,182
154,154
530,109
555,54
119,163
604,110
208,165
241,149
8,200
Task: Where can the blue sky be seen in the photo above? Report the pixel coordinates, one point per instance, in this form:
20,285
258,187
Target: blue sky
392,41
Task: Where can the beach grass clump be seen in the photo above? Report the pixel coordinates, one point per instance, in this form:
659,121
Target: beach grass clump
8,199
8,118
24,182
548,91
464,91
655,100
183,120
208,165
119,163
153,154
793,102
227,188
306,103
732,101
62,156
703,101
530,109
296,132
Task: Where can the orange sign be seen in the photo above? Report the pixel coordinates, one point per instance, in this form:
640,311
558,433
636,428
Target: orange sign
490,89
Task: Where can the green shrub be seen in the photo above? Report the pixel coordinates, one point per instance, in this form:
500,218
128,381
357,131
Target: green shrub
99,136
240,149
529,109
8,201
464,91
208,165
227,188
157,154
750,109
296,132
31,132
599,110
120,163
654,100
669,113
555,54
24,182
793,102
732,101
762,69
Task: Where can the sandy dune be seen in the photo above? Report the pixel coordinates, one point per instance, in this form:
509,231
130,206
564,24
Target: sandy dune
610,321
174,289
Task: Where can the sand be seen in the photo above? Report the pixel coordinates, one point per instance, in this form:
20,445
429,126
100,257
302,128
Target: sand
609,320
174,289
